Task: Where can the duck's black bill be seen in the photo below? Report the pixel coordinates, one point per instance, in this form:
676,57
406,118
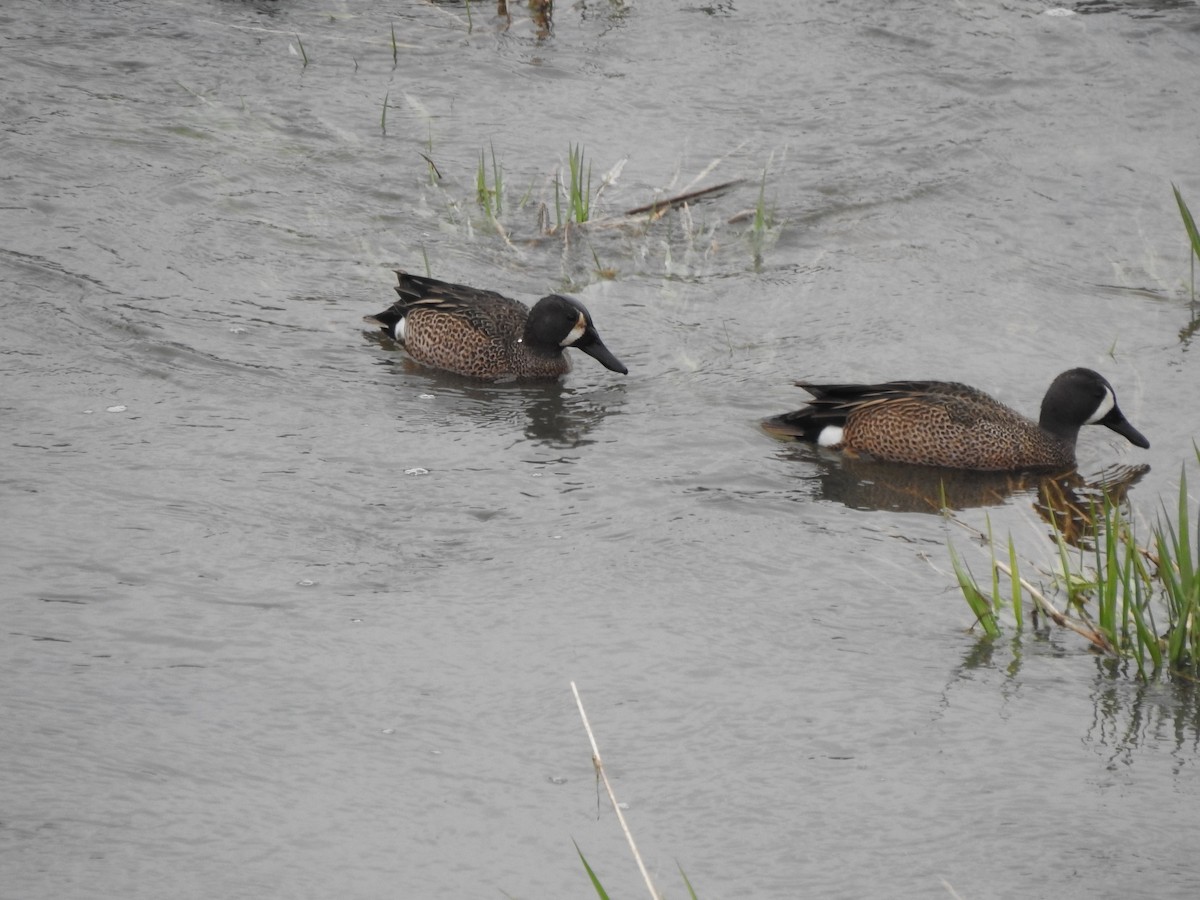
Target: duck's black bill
591,344
1117,422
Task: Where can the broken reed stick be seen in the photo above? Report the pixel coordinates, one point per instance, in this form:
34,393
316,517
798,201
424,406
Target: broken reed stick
599,765
661,206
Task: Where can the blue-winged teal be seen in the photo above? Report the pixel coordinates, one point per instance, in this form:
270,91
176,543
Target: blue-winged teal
487,335
937,423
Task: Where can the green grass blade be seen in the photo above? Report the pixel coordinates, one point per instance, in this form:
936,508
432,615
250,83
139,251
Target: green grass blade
691,890
579,193
1017,591
483,194
1193,236
1144,626
760,211
1183,541
980,605
1188,222
497,179
1177,605
592,875
1108,570
995,568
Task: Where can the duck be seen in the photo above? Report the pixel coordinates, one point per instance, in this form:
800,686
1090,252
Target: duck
951,425
483,334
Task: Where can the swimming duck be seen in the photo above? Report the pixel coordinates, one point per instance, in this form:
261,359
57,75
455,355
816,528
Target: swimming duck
483,334
938,423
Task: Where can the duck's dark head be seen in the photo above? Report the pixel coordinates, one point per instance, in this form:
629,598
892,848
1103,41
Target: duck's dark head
1081,397
557,321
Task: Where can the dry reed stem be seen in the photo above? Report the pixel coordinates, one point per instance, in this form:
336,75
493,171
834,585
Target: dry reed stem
596,761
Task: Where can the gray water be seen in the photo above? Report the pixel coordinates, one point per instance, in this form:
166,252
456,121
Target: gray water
286,615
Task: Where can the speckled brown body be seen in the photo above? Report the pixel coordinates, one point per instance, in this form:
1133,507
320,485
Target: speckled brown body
939,423
955,426
479,340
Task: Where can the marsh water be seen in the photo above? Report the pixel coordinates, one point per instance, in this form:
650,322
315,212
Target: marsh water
286,615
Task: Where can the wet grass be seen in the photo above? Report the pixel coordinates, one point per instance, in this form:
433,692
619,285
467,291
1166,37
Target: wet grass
578,191
763,224
490,197
1134,599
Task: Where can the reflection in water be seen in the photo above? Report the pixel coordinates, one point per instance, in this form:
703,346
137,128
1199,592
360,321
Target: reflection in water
1073,504
562,417
554,413
1188,331
1067,500
1130,714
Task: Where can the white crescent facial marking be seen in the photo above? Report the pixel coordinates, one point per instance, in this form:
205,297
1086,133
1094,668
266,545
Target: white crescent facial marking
830,436
1103,409
576,333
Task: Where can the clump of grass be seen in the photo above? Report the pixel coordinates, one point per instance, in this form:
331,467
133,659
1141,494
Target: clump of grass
1117,593
762,222
490,198
578,189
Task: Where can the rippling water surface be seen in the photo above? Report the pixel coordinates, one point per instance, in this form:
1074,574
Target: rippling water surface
287,615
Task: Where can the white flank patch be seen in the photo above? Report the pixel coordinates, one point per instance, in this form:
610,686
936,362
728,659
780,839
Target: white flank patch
1102,410
830,436
399,329
576,333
